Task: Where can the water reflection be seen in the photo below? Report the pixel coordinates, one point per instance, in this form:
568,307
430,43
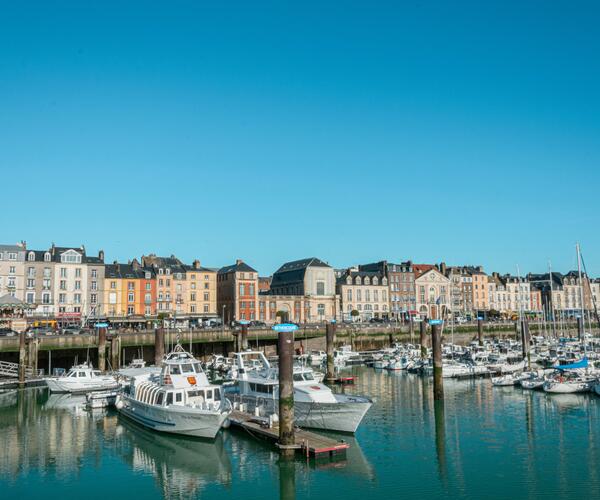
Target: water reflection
181,466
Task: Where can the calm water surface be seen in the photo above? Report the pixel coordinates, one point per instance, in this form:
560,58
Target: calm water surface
483,442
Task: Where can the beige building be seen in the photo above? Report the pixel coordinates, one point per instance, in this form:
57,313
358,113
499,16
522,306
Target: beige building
201,286
480,292
237,292
433,294
364,292
12,270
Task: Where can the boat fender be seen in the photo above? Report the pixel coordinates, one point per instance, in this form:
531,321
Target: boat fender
119,404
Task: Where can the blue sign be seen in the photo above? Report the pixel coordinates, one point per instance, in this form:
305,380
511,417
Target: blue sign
333,321
244,322
435,321
101,325
285,327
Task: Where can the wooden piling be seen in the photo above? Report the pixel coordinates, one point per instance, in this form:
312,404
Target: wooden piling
436,341
480,330
287,439
580,328
423,338
330,341
159,346
287,480
102,349
243,339
22,359
411,327
115,352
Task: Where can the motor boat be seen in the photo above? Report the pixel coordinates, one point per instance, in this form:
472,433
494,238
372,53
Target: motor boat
179,400
571,378
315,405
82,379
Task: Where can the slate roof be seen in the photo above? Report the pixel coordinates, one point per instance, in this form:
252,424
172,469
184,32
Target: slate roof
237,267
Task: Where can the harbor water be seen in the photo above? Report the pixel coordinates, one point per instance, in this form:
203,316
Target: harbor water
481,442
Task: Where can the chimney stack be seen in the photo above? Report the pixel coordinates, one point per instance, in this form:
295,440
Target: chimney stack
238,262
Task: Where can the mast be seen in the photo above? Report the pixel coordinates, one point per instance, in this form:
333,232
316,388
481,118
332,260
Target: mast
551,302
581,293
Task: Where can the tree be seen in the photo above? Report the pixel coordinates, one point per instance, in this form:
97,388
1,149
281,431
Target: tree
354,313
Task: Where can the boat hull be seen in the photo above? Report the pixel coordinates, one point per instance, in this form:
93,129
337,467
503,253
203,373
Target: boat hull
74,386
175,420
345,415
566,387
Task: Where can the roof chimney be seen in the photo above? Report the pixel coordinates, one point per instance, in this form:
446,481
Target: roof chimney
238,262
101,255
196,264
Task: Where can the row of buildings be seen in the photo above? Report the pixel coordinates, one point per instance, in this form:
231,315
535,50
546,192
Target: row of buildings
69,285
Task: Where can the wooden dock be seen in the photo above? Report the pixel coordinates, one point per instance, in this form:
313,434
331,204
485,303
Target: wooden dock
307,443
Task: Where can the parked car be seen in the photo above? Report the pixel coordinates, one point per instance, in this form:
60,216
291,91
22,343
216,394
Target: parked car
377,320
71,331
257,324
7,332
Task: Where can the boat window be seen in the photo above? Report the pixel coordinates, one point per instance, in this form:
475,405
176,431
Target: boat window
298,377
72,374
169,398
81,374
209,394
160,398
308,376
178,397
175,370
97,373
197,368
217,394
187,368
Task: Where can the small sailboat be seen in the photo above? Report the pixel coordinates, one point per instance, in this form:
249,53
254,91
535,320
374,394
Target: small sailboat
571,378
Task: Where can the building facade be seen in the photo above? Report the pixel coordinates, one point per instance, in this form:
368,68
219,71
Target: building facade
363,295
12,270
433,294
237,292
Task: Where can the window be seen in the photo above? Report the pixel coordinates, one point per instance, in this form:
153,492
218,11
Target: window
320,288
113,285
242,289
148,286
178,397
12,270
63,272
30,297
77,298
147,298
94,273
46,298
62,298
78,272
193,297
30,283
94,285
12,256
321,309
31,272
206,296
169,398
205,308
206,286
78,285
130,310
93,298
47,257
130,297
130,285
63,285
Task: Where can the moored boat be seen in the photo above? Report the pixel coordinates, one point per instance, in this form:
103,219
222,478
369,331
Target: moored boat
82,379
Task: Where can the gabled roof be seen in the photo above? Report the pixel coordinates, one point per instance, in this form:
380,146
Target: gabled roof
297,265
363,274
239,266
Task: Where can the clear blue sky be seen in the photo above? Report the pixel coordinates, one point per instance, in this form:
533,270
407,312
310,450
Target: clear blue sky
460,131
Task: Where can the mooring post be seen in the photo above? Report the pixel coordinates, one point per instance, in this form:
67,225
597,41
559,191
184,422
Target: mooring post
330,341
287,439
423,338
411,327
159,346
243,339
480,330
580,332
115,352
436,341
287,480
22,361
32,355
102,349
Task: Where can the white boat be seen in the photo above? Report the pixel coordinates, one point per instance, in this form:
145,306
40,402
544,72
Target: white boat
532,384
315,405
317,358
179,400
451,369
397,363
81,379
571,378
504,380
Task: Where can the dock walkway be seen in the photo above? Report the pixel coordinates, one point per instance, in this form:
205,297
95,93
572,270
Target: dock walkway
308,443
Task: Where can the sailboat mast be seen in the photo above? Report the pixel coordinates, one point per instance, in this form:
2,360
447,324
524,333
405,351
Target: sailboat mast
551,302
581,293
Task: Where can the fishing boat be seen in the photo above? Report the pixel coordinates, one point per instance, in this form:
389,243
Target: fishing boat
315,405
179,400
81,379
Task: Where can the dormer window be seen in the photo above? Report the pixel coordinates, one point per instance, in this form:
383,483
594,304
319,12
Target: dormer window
147,275
71,257
367,281
167,272
349,280
31,256
375,281
160,271
47,257
357,281
384,281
